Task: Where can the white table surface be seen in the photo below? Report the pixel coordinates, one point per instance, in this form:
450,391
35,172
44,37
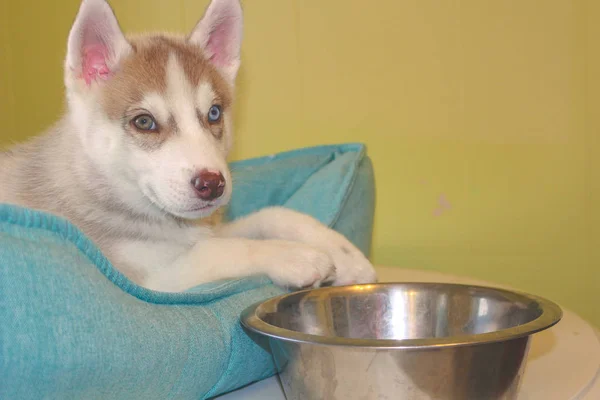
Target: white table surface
563,362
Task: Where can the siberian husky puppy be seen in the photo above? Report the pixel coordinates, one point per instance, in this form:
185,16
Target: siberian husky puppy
138,162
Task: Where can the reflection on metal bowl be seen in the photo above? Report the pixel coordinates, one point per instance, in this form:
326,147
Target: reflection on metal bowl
401,340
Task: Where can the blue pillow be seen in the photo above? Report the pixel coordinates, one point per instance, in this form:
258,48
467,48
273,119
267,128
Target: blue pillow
73,327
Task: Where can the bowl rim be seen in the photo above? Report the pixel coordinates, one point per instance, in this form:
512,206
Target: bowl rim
550,316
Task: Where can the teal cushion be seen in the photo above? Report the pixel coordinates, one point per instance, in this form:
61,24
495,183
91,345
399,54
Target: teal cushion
73,327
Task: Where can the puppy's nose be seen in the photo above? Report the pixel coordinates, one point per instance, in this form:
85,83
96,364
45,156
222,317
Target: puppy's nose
209,185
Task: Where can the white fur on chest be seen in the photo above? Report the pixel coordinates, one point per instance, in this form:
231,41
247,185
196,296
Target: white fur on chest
141,258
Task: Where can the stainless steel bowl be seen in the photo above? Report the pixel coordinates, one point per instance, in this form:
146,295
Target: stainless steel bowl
401,340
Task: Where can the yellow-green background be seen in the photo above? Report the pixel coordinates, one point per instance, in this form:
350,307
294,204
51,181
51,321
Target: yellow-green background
492,104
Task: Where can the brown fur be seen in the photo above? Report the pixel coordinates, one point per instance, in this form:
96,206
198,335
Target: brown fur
144,71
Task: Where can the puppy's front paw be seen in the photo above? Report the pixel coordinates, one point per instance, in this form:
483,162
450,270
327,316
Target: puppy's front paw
352,267
297,265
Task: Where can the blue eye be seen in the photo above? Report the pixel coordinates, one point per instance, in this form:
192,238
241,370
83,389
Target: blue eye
214,114
144,123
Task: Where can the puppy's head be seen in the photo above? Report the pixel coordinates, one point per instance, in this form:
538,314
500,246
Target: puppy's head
154,112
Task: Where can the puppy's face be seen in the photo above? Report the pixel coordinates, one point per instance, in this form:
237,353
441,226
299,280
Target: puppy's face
155,112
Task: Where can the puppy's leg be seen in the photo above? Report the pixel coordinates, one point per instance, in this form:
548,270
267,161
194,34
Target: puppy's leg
285,224
288,264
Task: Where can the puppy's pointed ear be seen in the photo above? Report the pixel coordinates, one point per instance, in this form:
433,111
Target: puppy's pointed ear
96,43
219,34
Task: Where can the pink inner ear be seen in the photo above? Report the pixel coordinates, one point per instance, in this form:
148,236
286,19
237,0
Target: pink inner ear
218,41
94,63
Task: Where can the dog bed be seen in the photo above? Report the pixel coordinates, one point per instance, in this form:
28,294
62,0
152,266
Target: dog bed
73,327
